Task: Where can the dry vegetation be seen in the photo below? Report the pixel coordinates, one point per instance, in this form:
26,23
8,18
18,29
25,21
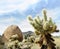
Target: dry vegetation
57,41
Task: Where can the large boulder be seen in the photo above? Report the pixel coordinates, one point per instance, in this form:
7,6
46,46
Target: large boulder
12,30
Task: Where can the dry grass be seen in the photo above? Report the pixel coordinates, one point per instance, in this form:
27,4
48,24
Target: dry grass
57,41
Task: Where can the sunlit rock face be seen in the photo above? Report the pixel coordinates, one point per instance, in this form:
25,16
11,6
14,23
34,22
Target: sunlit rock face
12,30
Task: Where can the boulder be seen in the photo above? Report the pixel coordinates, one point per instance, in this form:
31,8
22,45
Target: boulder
12,30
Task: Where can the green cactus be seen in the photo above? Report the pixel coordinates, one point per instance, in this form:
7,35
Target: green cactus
13,42
44,27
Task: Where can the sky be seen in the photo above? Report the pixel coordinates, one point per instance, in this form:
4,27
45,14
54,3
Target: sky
15,12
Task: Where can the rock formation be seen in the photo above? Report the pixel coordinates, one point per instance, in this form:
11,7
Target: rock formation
12,30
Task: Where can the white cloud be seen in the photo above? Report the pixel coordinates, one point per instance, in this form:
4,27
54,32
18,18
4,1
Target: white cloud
26,4
2,27
53,12
8,5
11,19
14,1
25,26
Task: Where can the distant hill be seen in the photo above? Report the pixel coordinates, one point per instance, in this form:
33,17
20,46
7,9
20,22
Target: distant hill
28,32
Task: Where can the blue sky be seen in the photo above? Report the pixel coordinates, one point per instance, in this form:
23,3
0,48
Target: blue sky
16,11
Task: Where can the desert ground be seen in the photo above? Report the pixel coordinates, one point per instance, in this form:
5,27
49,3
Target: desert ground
57,42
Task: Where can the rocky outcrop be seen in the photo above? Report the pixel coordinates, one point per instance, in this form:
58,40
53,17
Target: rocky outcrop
12,30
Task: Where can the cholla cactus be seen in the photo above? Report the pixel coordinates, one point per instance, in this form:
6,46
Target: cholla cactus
13,42
44,27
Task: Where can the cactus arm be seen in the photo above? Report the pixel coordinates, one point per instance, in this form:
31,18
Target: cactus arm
45,16
30,18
